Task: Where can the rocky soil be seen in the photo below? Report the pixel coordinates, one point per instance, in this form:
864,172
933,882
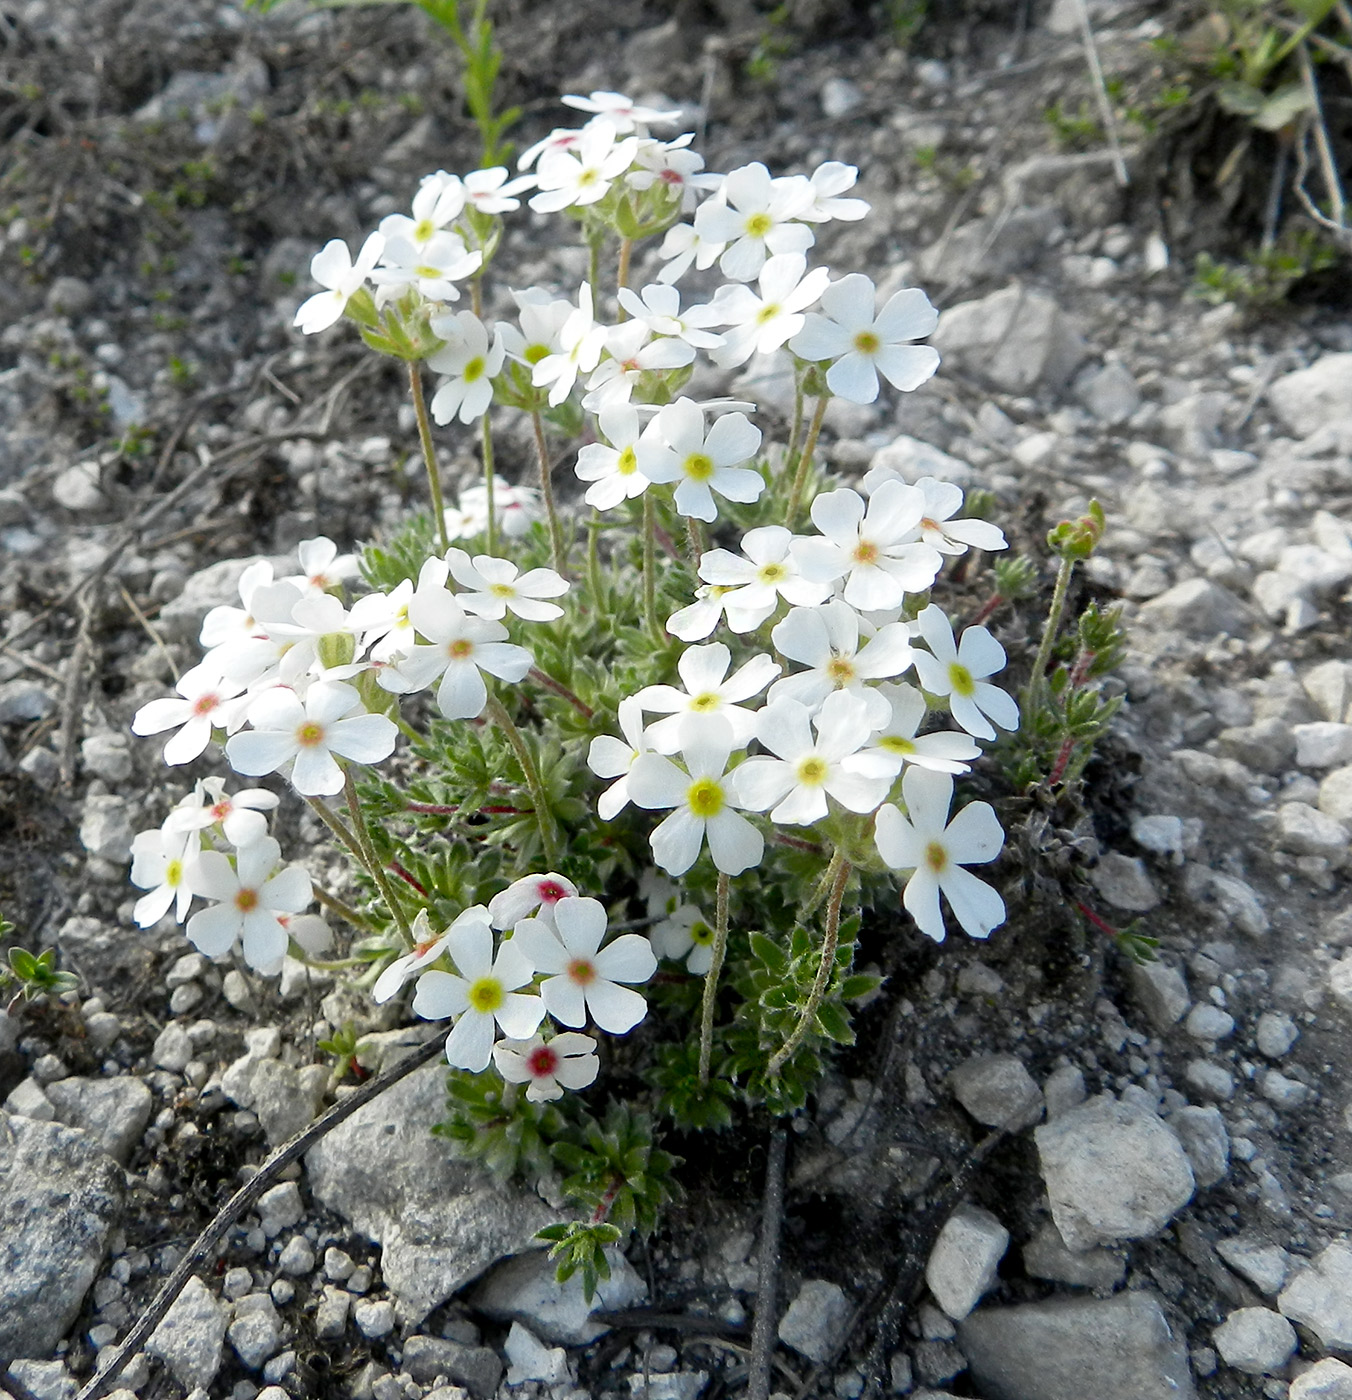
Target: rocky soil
1168,1211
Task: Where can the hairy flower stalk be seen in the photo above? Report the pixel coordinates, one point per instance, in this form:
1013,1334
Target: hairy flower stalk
650,569
372,858
429,453
364,857
547,492
544,818
839,872
1038,677
720,948
804,463
491,524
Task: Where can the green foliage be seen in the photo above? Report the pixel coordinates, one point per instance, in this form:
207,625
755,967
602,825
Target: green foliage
1079,129
1265,277
772,44
580,1247
33,975
615,1172
905,19
497,1126
1077,539
688,1103
345,1046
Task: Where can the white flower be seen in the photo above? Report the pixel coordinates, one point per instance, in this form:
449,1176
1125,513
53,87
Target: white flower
580,980
701,465
548,1067
432,268
470,362
703,798
706,693
321,566
627,357
937,527
163,862
875,550
958,671
562,138
459,645
609,757
381,619
542,320
683,245
864,346
516,507
500,586
307,734
427,948
491,192
935,849
252,651
226,624
826,640
944,751
580,343
612,466
531,894
253,898
309,930
658,307
806,770
582,175
439,200
829,181
766,571
763,323
238,814
673,167
686,933
695,622
332,267
620,111
482,994
208,703
753,217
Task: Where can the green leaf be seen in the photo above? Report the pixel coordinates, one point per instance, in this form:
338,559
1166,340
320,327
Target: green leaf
769,952
1282,107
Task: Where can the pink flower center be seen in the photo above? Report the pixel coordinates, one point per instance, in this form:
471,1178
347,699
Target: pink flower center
581,971
551,892
542,1062
204,704
222,809
246,900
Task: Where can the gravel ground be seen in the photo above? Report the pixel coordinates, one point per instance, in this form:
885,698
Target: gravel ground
1173,1208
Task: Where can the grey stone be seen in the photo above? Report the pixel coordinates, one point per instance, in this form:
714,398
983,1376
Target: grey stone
191,1335
998,1091
173,1048
1204,1137
1193,423
215,586
69,296
1161,991
1305,831
1210,1079
105,827
1335,795
908,459
79,489
1046,1256
816,1319
525,1290
839,96
1111,393
992,247
1257,1341
46,1380
478,1369
1265,1265
1017,340
297,1258
60,1196
1323,744
280,1207
965,1258
1063,1090
1281,1091
1113,1171
1046,1351
1326,1380
107,755
1309,398
530,1360
22,701
113,1111
1340,980
1198,607
285,1098
1276,1034
1238,902
1208,1022
29,1099
256,1332
1124,882
374,1317
1329,686
1267,745
1320,1297
439,1224
331,1315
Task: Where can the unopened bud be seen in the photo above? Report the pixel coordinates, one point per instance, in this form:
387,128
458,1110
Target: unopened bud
336,649
1077,539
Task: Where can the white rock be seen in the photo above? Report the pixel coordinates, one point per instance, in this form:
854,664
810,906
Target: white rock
1323,744
29,1099
1204,1137
965,1258
1305,831
1063,1090
331,1316
1198,607
1335,795
1019,340
173,1048
1256,1341
279,1208
816,1319
1320,1297
105,827
1207,1022
190,1337
997,1090
1327,1380
1329,685
908,459
1124,882
1210,1079
375,1317
1159,833
1282,1091
839,96
114,1109
1264,1265
256,1331
528,1359
1340,980
1113,1171
1307,399
1046,1256
525,1290
1277,1033
1239,903
297,1258
1162,992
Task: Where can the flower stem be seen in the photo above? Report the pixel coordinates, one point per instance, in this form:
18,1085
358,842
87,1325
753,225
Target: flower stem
341,908
650,568
375,864
594,243
594,556
549,837
796,432
622,275
428,451
720,948
840,870
1037,680
491,530
805,461
558,687
696,537
547,491
357,848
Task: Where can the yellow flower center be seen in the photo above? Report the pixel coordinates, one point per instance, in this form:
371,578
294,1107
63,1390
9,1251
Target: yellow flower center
960,678
309,734
173,873
246,900
626,464
204,704
705,798
840,669
768,313
936,857
486,995
709,700
698,466
426,270
865,552
502,590
758,225
867,343
588,176
771,573
423,230
894,743
812,771
474,370
581,971
533,354
701,932
459,650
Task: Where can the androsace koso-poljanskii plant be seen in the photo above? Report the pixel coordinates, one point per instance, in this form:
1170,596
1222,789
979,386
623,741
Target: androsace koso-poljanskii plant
689,708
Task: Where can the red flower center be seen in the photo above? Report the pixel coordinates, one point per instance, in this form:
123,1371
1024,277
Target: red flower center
542,1062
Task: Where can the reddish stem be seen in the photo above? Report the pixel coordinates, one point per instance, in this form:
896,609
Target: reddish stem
1102,925
503,811
559,688
431,809
987,608
406,877
1062,760
666,542
607,1200
797,843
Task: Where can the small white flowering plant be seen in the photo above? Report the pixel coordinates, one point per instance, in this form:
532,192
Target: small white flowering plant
617,774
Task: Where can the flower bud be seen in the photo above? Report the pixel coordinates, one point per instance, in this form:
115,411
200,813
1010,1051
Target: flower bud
336,648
